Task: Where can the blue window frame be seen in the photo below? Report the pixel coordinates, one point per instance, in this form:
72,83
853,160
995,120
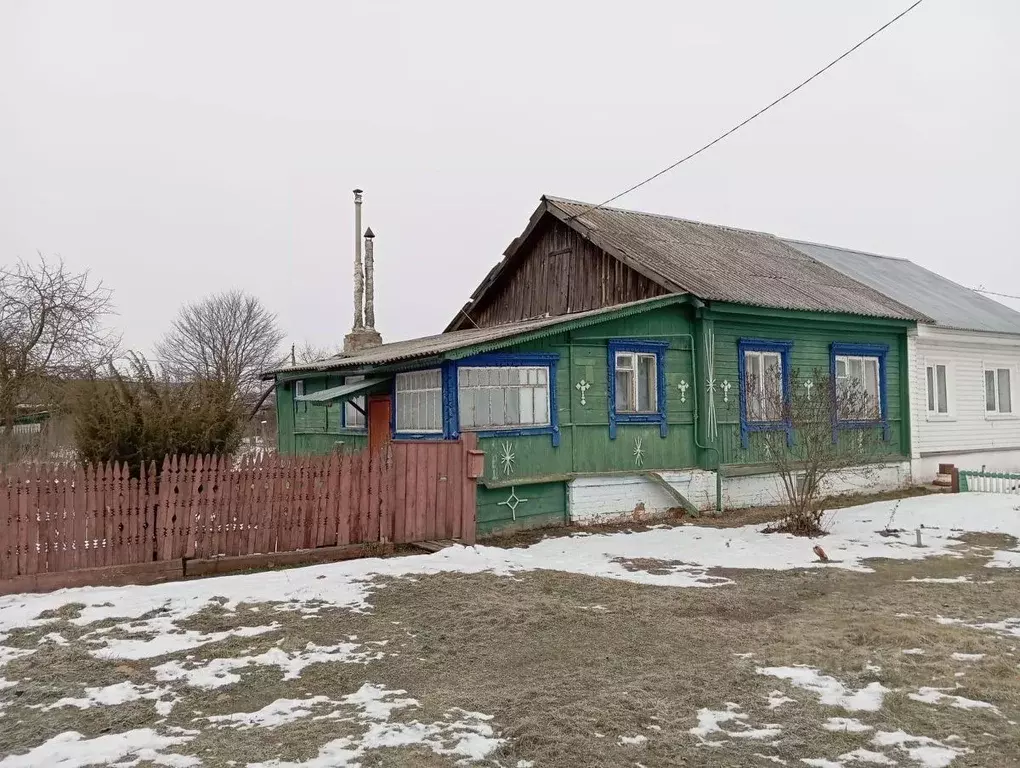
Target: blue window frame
759,409
637,395
866,363
504,394
527,405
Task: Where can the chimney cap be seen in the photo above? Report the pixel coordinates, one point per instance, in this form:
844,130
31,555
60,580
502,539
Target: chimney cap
358,191
369,233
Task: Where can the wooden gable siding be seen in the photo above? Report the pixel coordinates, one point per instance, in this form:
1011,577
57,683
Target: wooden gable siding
558,273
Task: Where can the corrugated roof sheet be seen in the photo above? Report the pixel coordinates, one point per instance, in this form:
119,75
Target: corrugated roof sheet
435,346
950,305
339,393
725,264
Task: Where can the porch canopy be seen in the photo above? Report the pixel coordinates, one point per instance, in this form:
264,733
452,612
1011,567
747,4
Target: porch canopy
342,393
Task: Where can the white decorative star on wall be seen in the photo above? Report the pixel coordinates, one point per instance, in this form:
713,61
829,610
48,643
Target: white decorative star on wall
726,386
683,386
639,451
507,457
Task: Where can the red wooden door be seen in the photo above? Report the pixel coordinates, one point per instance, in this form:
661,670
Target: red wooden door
378,422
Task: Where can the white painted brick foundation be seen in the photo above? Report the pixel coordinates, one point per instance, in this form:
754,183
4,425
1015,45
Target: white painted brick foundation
633,497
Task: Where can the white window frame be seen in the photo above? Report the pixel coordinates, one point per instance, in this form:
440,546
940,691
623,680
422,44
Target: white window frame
635,386
931,397
350,413
428,393
299,391
759,396
996,366
513,374
847,359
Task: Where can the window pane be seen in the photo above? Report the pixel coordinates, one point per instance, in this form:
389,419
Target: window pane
943,399
646,383
752,385
931,388
989,390
624,391
840,367
624,360
497,406
541,406
1005,396
855,368
526,403
872,404
772,387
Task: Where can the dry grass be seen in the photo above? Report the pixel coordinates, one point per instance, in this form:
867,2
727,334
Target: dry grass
567,664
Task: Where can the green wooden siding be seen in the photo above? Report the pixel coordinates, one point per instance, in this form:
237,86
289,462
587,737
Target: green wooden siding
537,505
313,428
810,353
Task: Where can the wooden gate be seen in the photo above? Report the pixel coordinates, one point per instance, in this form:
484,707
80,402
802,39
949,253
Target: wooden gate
81,522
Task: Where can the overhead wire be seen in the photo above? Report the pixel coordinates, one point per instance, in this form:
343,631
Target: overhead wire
757,114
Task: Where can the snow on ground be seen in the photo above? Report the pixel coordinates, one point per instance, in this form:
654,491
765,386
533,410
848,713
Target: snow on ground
845,725
928,695
853,538
1008,627
711,721
925,750
968,656
110,695
217,673
71,750
829,690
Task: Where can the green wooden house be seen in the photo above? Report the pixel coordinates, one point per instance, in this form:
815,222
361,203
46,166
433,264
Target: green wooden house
607,365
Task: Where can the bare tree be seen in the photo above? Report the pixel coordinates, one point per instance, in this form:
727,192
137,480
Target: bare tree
310,353
51,329
817,428
230,338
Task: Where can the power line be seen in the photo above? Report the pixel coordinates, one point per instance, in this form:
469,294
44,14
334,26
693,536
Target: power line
993,293
759,113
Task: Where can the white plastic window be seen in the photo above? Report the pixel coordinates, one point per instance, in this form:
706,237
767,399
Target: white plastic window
938,391
998,391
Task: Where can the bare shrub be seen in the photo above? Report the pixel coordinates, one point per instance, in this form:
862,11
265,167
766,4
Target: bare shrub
820,428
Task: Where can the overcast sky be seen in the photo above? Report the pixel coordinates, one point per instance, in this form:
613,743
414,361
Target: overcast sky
181,148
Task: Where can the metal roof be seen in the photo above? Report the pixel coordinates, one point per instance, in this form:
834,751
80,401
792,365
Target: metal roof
950,305
340,393
725,264
474,339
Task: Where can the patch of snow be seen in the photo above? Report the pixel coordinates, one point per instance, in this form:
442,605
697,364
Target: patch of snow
874,668
845,725
968,656
348,585
770,758
710,722
278,713
914,652
829,690
1008,558
632,741
165,638
53,637
925,750
861,755
374,703
945,580
111,695
72,750
820,762
1008,627
778,699
7,653
220,672
744,655
928,695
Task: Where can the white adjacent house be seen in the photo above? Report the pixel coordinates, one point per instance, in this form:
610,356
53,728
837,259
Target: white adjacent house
964,368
